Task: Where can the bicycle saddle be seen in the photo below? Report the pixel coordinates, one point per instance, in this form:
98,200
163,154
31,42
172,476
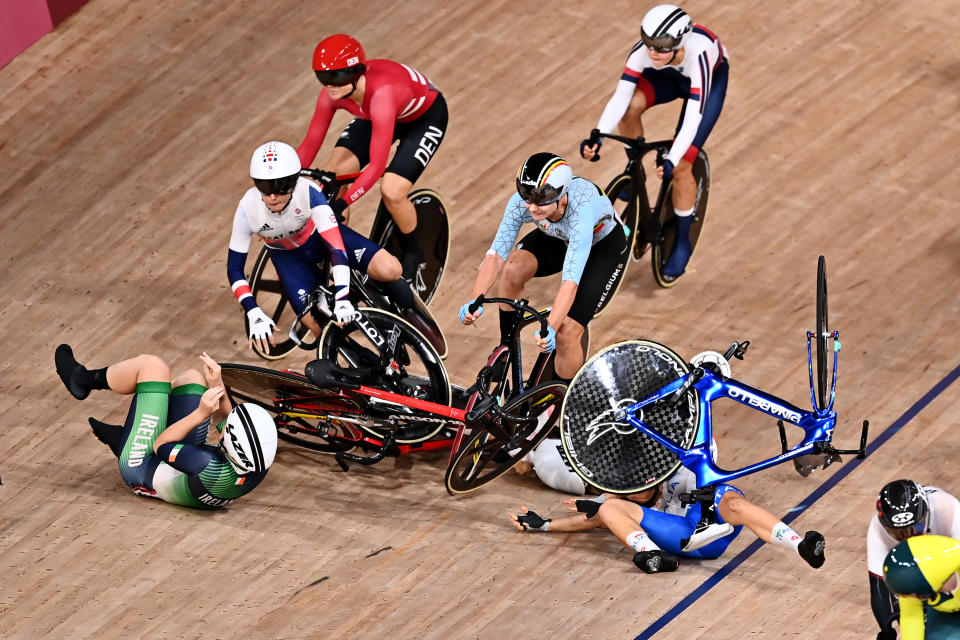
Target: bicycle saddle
325,373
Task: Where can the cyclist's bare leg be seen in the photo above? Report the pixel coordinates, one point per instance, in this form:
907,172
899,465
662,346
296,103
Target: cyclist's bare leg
124,375
190,376
311,324
394,190
622,517
735,509
519,268
570,354
384,267
631,125
684,186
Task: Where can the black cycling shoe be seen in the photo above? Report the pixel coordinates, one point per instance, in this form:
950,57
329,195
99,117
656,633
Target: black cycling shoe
812,548
108,434
656,561
69,369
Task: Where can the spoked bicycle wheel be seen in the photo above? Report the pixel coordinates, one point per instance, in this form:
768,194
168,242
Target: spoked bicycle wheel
411,366
305,414
489,454
823,334
433,233
611,454
268,292
668,221
627,211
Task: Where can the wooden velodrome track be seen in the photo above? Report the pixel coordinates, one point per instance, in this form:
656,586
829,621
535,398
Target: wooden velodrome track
125,136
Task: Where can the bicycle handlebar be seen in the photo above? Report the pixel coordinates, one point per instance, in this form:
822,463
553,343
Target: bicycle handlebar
329,180
640,144
518,305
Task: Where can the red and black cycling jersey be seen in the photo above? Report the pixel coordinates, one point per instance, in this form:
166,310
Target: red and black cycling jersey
394,93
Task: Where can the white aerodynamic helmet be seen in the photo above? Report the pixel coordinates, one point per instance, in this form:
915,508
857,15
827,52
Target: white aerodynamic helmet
250,438
275,167
665,27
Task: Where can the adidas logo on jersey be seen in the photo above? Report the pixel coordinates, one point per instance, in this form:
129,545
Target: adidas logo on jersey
265,227
358,253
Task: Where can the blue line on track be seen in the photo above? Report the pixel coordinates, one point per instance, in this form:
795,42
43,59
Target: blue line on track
807,502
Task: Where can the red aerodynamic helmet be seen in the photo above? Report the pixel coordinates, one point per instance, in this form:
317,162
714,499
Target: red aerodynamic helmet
339,60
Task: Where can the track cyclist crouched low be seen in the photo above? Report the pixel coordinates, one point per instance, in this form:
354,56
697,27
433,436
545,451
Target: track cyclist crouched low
578,235
924,571
390,101
674,59
300,230
161,447
905,509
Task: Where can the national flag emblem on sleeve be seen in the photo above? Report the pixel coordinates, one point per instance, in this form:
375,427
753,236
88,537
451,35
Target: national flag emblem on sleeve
174,452
240,480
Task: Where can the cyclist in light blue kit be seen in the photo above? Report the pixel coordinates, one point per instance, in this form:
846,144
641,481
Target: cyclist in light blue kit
578,234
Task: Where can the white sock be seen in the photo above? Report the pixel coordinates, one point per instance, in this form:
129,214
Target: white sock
683,214
785,536
640,541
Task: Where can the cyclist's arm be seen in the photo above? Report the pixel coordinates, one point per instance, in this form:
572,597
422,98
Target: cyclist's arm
700,74
620,101
489,270
237,260
182,427
186,458
562,303
322,115
911,618
383,116
576,522
326,224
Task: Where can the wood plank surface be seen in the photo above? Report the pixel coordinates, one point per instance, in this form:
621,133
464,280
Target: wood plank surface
125,136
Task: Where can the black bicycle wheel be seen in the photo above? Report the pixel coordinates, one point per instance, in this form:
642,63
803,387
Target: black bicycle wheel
267,291
487,455
823,333
663,246
610,454
305,414
433,234
405,363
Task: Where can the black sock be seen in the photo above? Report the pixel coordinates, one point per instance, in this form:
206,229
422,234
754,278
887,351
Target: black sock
95,379
399,291
409,241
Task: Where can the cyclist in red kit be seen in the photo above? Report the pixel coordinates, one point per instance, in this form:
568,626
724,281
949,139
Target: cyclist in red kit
390,102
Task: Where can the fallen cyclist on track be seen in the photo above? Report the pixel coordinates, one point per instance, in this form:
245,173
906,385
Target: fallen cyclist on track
161,447
661,529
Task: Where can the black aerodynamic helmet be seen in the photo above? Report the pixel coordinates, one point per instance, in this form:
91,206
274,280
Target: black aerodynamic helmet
901,504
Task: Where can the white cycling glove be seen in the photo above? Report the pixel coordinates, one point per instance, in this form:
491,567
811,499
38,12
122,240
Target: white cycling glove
343,312
261,325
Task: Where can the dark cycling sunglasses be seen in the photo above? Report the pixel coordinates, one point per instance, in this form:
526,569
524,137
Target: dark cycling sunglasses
546,194
662,44
339,77
276,186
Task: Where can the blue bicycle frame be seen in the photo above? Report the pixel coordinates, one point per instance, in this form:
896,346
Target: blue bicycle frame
817,425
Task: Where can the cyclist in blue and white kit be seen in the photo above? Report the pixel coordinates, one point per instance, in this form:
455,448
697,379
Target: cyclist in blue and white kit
300,230
578,235
674,59
660,529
